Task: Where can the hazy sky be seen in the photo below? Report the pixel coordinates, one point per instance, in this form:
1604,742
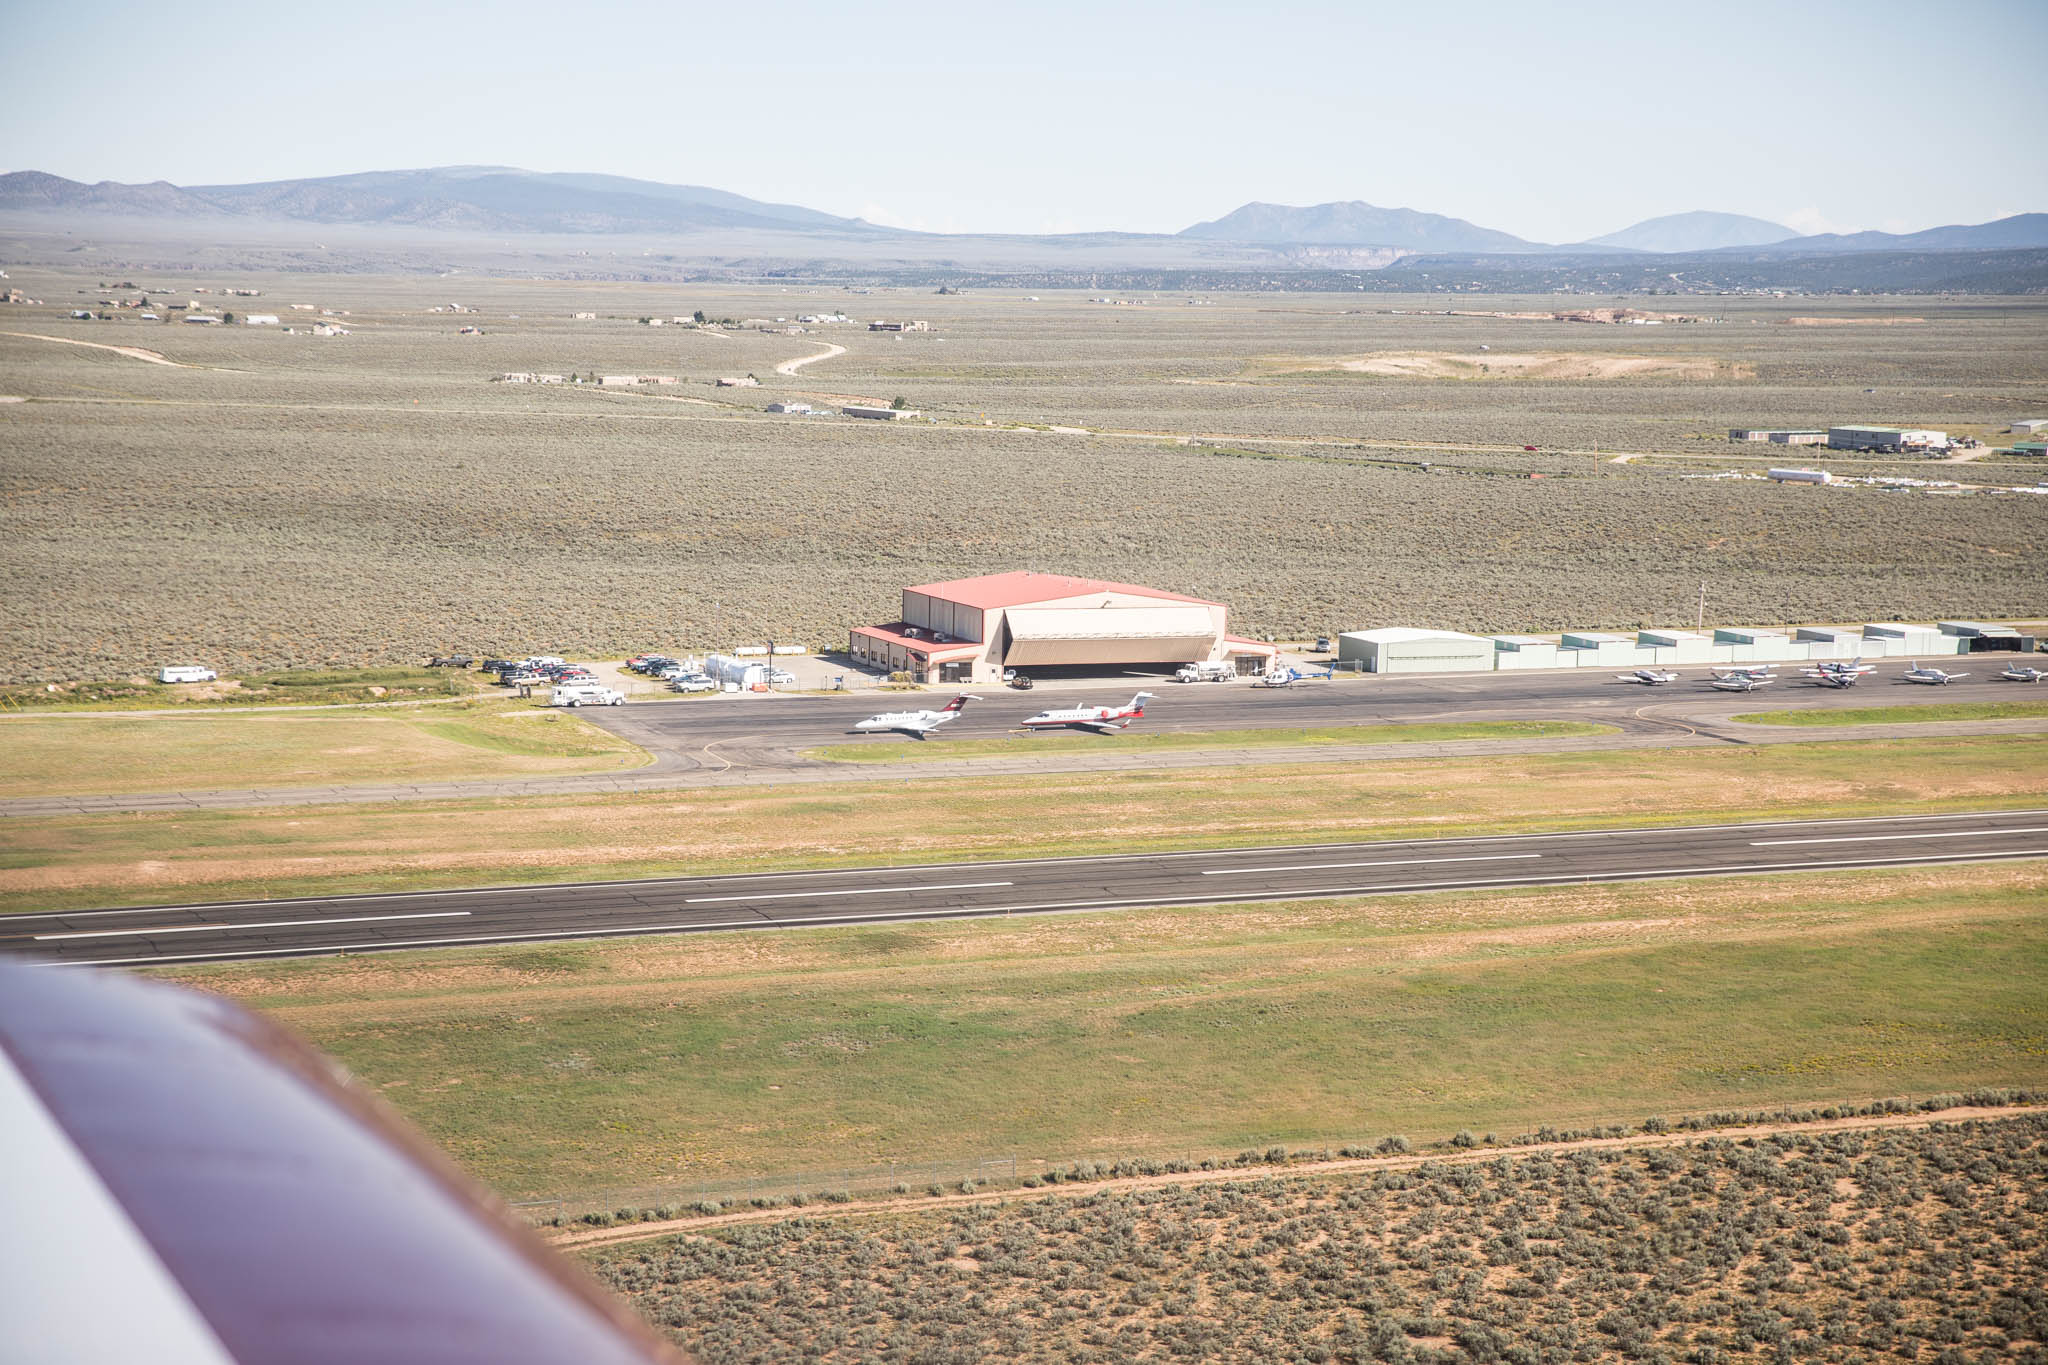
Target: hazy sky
1554,121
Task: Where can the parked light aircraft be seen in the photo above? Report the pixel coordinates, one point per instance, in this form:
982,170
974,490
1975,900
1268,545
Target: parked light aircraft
1760,672
919,723
2022,673
1101,718
1833,673
1740,682
1932,676
1649,677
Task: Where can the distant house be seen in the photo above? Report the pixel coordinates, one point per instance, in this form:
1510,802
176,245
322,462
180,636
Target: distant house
741,382
616,381
1781,438
657,379
2027,426
585,317
201,317
304,307
801,409
878,414
1889,439
260,320
881,326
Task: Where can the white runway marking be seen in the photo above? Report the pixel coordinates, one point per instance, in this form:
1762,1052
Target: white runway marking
853,891
266,924
1886,838
1385,862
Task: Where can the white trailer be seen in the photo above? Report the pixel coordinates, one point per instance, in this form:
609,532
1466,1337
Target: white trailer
739,672
185,673
585,694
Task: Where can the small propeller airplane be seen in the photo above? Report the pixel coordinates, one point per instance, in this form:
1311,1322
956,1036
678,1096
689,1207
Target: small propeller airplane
1832,673
1932,676
1760,672
919,723
1740,681
1099,718
1649,677
1288,677
2022,673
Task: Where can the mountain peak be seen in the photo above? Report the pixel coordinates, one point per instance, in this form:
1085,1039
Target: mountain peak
1353,223
1700,230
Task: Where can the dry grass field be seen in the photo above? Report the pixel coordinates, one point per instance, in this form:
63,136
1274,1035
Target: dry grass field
1916,1244
210,752
564,1068
49,863
273,500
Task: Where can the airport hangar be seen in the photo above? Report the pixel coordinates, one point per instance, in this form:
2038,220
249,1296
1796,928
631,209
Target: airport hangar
971,629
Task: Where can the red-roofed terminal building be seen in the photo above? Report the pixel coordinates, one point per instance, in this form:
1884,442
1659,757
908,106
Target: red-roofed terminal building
971,629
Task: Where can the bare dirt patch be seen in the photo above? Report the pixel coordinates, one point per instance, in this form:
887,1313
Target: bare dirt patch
1850,322
1553,365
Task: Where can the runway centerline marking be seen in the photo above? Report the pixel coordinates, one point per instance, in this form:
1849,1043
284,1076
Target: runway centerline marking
262,924
851,891
1384,862
1887,838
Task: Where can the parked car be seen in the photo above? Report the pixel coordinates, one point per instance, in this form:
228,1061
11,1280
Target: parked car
1020,682
779,677
697,683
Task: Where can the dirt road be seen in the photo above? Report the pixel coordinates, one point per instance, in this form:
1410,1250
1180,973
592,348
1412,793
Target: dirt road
790,367
132,352
1083,1189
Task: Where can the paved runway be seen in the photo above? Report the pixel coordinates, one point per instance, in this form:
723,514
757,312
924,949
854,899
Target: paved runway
257,929
760,740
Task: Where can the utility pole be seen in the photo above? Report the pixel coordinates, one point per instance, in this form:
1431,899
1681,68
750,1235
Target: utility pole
1701,624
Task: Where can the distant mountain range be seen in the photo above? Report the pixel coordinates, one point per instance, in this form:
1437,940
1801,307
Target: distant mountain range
1360,224
504,200
472,198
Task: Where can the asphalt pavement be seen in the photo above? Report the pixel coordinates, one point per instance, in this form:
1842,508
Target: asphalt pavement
761,740
355,924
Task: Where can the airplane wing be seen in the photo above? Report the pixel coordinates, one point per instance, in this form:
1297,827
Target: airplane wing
225,1195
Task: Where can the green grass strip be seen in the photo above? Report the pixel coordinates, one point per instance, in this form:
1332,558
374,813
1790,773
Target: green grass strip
1897,715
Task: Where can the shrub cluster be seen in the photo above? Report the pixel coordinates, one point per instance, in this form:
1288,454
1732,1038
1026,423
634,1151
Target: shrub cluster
1828,1246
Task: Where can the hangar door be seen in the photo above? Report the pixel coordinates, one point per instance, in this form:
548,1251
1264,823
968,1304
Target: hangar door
1042,636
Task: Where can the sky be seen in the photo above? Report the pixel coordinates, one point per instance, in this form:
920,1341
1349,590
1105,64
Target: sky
1556,122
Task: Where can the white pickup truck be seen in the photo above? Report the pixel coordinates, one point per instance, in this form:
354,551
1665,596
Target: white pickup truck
585,694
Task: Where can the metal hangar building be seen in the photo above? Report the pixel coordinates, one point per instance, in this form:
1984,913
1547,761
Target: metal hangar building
971,629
